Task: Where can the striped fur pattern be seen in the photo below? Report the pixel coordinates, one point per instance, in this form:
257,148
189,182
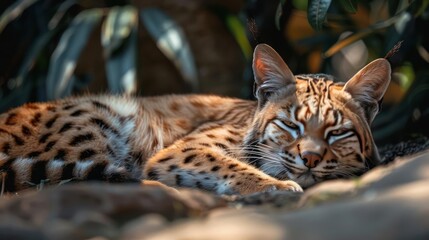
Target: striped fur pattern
302,130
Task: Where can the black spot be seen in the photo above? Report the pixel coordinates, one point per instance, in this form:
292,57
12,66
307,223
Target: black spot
188,149
87,153
220,145
101,105
202,172
36,119
231,140
67,172
215,168
172,167
6,148
50,145
97,171
51,109
60,154
165,159
198,164
25,130
204,144
44,137
233,132
199,185
67,126
103,125
18,141
178,180
210,157
238,183
189,158
78,113
67,107
51,121
210,135
152,175
79,139
34,154
38,172
12,119
231,166
225,176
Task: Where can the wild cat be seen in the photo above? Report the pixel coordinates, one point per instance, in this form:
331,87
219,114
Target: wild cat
302,129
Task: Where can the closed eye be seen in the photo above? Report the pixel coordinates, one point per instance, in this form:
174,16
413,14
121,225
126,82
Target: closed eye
286,124
339,134
290,124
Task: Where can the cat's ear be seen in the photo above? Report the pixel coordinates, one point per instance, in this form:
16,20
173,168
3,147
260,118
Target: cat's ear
368,86
270,71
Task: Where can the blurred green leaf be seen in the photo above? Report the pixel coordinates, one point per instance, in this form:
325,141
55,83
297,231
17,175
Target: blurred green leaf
63,60
238,30
60,13
171,40
316,12
300,4
119,24
349,5
119,40
279,13
14,11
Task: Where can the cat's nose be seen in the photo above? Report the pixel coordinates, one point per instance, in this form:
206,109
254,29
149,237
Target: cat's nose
311,159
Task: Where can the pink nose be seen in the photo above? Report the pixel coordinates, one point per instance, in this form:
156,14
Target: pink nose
311,159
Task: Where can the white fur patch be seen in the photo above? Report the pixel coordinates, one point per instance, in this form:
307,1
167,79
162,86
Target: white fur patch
81,169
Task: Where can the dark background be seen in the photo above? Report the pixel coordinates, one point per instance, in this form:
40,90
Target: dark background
51,49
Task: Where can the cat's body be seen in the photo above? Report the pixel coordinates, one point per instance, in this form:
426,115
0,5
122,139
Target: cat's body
304,128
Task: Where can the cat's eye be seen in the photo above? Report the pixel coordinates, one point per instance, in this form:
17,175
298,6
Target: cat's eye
339,131
290,124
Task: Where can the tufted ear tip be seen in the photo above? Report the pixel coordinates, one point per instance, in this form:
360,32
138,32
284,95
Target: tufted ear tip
270,71
369,85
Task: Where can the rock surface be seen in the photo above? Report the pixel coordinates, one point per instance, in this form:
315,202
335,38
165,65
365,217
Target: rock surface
388,202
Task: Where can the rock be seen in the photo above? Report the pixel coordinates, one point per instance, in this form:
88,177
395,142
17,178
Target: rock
391,204
388,202
143,226
81,211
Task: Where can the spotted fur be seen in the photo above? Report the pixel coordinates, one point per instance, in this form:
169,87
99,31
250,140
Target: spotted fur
302,130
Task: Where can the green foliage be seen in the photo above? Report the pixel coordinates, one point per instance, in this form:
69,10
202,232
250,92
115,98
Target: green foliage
64,59
316,12
47,67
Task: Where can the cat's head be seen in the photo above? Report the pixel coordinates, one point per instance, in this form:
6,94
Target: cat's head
308,128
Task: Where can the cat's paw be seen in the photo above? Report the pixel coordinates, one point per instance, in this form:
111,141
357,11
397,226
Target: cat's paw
267,186
287,185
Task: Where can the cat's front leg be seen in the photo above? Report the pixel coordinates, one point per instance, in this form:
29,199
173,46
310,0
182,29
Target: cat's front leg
212,171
